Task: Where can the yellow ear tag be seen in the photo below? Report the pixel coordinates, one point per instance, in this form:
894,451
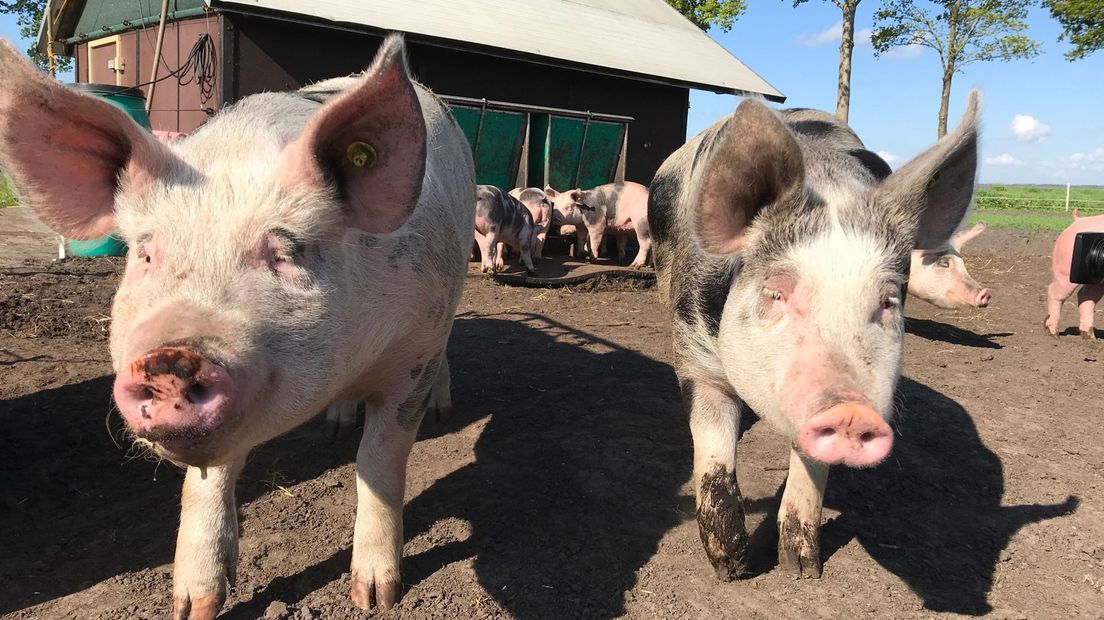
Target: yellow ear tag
361,154
931,182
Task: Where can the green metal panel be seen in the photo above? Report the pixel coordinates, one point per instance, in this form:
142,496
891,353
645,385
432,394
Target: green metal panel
100,18
576,152
496,138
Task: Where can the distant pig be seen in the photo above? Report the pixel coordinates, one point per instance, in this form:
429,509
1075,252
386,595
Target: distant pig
615,208
298,249
1060,289
502,219
540,207
939,276
783,260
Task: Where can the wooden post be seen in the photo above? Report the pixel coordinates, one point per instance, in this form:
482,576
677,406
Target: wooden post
1067,196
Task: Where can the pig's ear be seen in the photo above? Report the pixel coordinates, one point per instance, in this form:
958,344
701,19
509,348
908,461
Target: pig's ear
369,143
551,193
67,153
935,189
963,237
755,163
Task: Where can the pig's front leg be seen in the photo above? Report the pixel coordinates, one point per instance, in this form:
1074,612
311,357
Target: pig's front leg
207,543
596,234
389,433
799,517
714,420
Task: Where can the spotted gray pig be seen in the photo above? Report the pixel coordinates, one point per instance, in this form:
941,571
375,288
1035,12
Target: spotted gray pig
783,262
618,209
502,219
936,275
540,207
298,249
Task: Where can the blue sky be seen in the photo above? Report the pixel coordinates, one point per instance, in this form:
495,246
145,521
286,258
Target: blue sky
1043,118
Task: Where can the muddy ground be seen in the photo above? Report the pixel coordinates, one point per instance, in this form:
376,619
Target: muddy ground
559,489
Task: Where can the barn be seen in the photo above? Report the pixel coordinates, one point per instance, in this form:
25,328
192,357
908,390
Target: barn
567,92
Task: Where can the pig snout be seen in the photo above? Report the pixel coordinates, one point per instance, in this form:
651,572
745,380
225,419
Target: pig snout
173,396
983,298
849,434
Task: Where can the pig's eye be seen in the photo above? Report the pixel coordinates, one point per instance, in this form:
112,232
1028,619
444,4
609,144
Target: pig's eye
143,254
773,294
945,262
281,249
889,303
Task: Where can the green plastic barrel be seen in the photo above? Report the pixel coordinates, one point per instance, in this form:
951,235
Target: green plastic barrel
133,102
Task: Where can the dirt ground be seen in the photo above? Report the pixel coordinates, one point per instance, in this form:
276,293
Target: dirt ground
560,487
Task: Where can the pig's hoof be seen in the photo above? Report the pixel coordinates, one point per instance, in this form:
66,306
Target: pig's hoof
1088,334
201,608
799,548
721,524
383,595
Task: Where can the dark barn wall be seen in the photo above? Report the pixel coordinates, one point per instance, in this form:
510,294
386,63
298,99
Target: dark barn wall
271,55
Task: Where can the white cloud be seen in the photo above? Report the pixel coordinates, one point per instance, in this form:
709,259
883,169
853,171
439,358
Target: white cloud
1029,129
905,52
1092,160
830,35
1004,159
833,34
890,158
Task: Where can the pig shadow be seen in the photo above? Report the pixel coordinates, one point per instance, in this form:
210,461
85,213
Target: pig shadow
1074,331
932,514
951,334
577,474
77,509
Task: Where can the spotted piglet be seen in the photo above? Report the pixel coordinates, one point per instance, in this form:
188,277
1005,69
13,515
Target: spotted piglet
618,209
540,207
502,219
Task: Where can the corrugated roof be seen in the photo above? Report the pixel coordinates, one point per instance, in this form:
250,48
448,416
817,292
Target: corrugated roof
645,38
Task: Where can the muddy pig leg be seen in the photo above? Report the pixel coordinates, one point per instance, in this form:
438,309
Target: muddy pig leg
1057,293
799,517
714,420
207,543
1087,298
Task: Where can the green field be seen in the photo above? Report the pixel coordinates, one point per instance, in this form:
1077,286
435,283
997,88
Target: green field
1034,206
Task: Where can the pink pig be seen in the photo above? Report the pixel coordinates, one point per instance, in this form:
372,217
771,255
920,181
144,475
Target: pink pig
1060,289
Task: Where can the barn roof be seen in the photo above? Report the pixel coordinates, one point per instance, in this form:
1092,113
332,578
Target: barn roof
644,39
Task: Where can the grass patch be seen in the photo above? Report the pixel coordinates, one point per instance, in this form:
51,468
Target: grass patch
7,196
1021,218
1034,207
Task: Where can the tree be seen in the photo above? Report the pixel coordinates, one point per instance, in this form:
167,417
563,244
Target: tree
706,13
29,15
962,32
847,47
1082,23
